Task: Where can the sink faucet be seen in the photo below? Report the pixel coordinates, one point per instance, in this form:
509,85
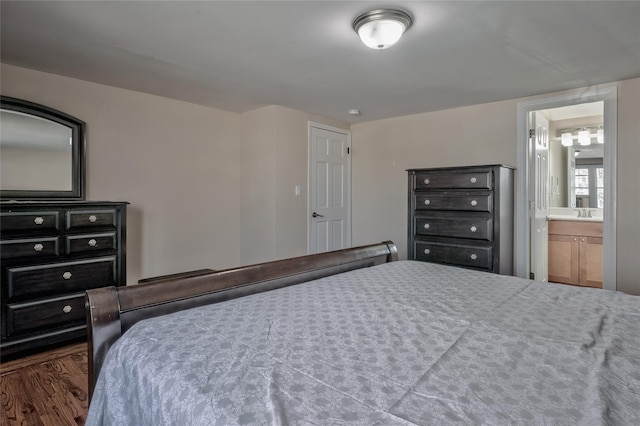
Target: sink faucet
584,213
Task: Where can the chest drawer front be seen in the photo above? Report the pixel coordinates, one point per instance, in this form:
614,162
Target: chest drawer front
78,219
90,243
30,247
29,221
42,280
461,202
476,257
51,313
470,180
472,228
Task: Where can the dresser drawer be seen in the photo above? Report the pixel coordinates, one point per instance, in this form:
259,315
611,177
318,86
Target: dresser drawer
46,221
78,219
45,314
39,280
454,201
472,228
471,180
30,247
90,243
477,257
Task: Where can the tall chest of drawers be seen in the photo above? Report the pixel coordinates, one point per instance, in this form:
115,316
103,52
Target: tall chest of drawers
462,216
51,253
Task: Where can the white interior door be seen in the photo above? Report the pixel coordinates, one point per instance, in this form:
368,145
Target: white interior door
329,189
539,197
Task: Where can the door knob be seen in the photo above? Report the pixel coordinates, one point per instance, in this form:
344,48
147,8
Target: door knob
316,215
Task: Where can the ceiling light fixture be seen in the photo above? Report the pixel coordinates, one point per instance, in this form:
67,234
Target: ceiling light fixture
382,28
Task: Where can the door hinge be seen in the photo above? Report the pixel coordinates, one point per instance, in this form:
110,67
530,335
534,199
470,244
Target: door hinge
532,276
348,150
532,133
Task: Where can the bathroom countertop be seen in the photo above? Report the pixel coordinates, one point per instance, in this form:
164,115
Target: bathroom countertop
573,218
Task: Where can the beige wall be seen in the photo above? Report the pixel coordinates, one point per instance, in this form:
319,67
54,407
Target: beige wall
480,134
175,162
384,149
628,235
207,188
274,152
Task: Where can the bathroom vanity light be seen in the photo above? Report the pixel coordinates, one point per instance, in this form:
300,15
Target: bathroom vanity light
584,135
382,28
584,138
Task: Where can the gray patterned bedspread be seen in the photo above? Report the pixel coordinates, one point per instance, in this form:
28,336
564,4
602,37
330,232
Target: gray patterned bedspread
396,344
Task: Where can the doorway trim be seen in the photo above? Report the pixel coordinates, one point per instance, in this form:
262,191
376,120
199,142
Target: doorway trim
609,95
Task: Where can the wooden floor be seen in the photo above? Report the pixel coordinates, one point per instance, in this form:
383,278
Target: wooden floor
46,389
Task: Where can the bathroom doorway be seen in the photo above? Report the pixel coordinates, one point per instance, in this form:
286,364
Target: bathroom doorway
544,191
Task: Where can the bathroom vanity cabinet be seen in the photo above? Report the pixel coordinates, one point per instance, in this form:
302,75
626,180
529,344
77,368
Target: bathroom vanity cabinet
575,252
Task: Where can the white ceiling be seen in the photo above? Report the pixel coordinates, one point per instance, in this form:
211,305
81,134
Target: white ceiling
240,55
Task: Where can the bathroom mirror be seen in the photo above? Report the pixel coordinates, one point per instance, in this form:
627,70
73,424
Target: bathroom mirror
41,152
576,165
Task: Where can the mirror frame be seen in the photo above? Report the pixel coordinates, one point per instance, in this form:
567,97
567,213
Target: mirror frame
78,161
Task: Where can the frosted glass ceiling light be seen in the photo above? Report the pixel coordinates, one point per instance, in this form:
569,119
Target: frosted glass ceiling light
584,138
567,139
382,28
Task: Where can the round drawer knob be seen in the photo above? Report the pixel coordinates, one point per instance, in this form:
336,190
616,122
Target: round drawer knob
427,251
67,309
474,229
427,202
92,218
426,181
583,240
93,242
575,239
38,220
427,226
38,247
67,275
474,180
474,203
474,256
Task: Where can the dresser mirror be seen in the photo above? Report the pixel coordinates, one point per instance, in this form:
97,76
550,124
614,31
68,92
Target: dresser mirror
41,153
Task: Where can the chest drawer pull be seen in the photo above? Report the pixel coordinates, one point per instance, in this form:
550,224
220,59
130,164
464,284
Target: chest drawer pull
67,275
66,309
92,218
474,203
427,251
427,202
474,229
474,256
473,180
93,242
426,181
38,220
427,226
38,247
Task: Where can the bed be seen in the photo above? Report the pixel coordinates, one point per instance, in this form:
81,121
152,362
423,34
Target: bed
358,337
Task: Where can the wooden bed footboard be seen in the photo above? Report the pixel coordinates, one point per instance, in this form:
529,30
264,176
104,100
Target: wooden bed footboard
113,310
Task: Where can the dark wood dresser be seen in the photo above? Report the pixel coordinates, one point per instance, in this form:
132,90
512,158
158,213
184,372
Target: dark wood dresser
462,216
51,253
